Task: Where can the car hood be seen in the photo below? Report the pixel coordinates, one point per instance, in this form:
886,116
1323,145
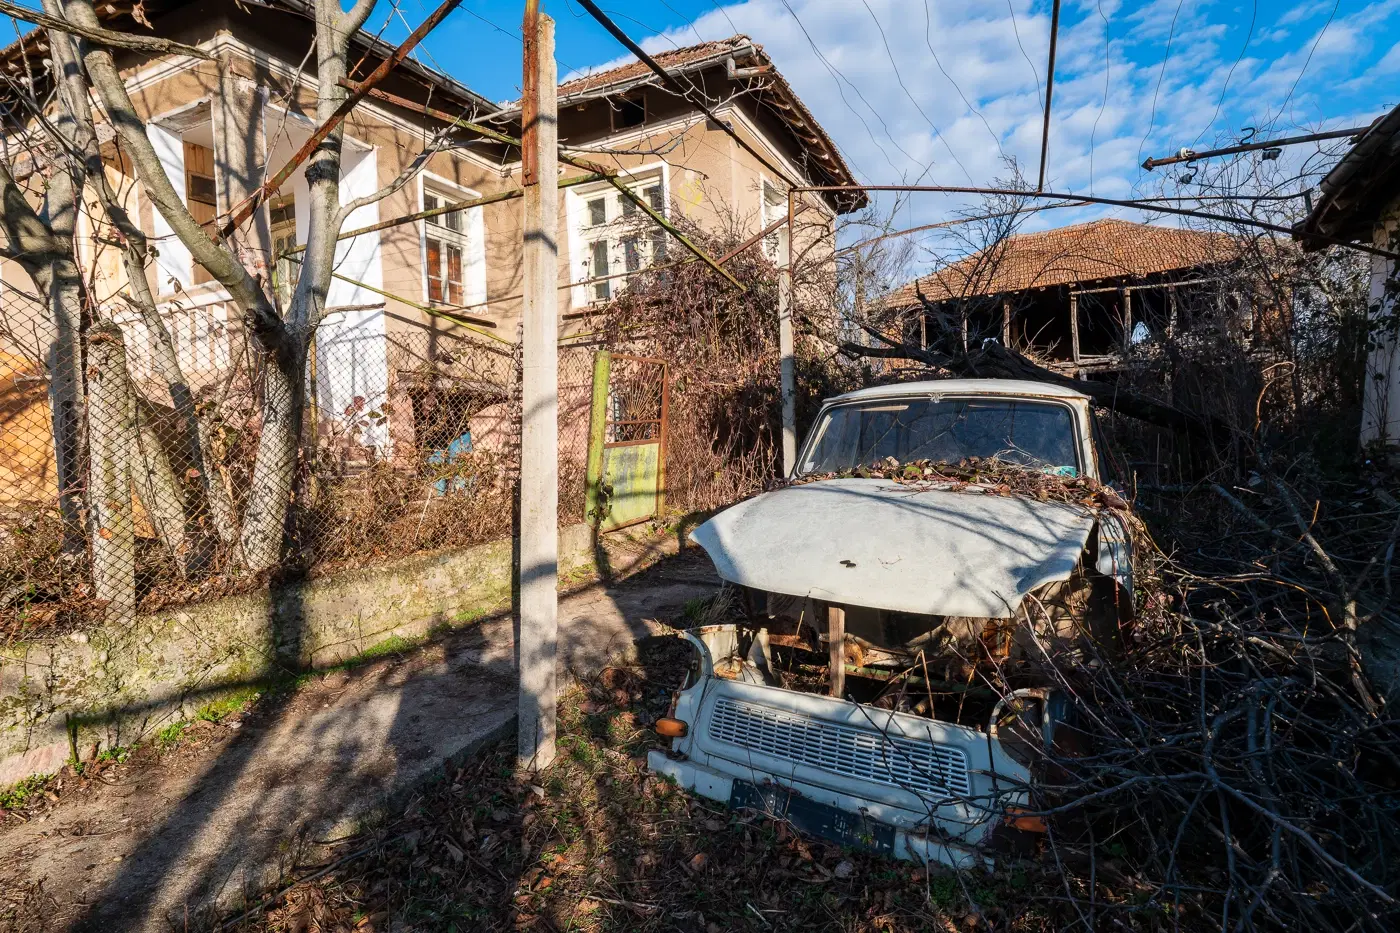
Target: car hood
883,545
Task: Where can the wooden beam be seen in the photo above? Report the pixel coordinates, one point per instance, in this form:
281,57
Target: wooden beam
836,646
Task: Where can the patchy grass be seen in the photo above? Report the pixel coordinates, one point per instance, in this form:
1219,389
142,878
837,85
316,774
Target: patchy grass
597,843
115,755
234,703
21,794
169,736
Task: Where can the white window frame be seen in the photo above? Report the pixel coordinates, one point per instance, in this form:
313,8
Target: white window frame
775,245
471,238
584,233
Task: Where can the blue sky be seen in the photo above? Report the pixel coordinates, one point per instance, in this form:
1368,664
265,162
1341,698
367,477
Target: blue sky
945,90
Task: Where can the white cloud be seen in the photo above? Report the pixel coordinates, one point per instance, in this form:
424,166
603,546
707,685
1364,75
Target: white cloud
850,82
1390,62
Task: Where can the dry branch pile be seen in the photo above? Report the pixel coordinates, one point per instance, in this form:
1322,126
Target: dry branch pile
723,347
986,475
1232,768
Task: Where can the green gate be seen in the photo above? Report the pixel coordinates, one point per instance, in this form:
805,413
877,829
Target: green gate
627,440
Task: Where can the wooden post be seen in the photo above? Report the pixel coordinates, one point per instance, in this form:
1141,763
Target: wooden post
836,646
1006,321
539,436
1127,319
1074,327
787,351
1171,312
597,437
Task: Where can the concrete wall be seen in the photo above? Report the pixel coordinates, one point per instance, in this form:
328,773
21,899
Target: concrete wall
117,683
1380,414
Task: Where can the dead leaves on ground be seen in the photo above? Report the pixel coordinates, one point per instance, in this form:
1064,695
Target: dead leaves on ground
597,843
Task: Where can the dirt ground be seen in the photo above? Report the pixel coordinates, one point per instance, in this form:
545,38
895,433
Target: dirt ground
212,817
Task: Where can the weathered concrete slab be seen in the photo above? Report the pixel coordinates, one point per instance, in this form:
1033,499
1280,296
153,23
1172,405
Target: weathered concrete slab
117,682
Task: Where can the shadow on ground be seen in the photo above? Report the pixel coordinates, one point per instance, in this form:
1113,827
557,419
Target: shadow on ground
280,787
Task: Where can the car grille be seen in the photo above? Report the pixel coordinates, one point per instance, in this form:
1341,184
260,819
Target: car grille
922,767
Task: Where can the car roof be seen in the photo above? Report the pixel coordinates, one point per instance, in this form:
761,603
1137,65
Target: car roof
1015,387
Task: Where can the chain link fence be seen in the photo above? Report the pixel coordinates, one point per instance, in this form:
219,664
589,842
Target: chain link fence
409,442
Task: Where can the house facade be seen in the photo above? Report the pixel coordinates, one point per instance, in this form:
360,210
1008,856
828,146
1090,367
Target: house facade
429,309
1359,201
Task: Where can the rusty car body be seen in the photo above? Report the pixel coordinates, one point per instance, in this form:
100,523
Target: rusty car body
937,606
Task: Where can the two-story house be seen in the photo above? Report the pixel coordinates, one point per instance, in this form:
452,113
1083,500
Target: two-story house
411,301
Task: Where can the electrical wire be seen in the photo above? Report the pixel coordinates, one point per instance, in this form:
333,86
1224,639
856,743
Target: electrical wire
838,77
689,22
1308,60
725,13
1152,118
1107,70
904,87
1253,17
928,40
1039,94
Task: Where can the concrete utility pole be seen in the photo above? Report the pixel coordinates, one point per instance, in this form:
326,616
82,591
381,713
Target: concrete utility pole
786,350
539,436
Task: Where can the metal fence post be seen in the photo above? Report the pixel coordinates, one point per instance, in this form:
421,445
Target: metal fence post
597,436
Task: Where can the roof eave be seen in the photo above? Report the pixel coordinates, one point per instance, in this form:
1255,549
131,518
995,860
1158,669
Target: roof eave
1343,212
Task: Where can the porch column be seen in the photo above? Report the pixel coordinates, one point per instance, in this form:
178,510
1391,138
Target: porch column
240,156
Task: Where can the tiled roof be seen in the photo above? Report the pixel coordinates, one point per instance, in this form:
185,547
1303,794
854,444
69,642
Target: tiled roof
1083,253
674,58
775,91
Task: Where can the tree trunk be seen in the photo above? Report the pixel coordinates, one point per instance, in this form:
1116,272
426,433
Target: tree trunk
112,441
161,496
275,467
65,363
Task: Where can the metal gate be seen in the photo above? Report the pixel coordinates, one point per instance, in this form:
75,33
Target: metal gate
627,440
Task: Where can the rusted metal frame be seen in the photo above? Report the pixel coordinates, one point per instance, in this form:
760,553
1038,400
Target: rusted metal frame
636,521
632,421
1111,202
609,174
270,187
1190,156
634,443
446,209
1049,93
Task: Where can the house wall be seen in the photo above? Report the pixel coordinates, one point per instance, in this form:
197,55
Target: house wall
254,103
1380,414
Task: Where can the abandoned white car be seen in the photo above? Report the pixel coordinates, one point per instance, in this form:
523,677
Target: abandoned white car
902,600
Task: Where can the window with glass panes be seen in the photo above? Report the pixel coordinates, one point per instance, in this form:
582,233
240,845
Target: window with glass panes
446,245
618,237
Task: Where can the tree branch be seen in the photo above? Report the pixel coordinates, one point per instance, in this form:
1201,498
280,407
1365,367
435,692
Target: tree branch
98,35
218,261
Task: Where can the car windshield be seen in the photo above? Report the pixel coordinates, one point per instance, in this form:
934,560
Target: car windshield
1033,434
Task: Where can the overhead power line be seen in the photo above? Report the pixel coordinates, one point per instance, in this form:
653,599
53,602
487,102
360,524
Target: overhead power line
672,82
1111,202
